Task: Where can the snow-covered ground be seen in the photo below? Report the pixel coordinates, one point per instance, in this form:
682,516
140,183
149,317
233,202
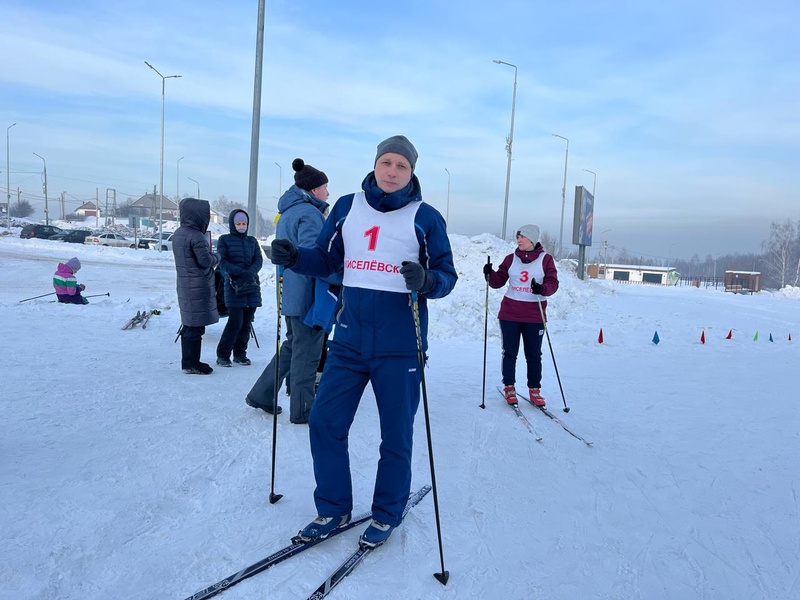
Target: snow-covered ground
121,477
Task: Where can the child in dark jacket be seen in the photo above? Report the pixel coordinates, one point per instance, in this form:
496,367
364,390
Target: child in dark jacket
68,290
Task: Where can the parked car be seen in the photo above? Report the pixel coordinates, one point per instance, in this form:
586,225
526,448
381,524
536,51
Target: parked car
73,236
166,242
144,242
109,239
42,232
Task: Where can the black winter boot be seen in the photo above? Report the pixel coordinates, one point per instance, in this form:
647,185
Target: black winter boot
191,363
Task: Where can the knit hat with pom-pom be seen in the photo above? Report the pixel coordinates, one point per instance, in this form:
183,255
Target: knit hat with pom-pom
307,177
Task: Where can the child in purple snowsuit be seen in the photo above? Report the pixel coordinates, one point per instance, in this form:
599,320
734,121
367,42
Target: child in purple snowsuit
68,290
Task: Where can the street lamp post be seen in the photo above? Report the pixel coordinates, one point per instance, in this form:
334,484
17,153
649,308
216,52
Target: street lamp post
46,211
280,181
8,177
178,180
447,214
605,253
594,181
161,162
198,186
563,196
509,144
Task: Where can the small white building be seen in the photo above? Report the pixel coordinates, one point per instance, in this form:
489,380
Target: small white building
87,209
634,274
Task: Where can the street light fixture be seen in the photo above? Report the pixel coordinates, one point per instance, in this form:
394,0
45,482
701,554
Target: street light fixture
178,180
509,143
563,196
447,214
161,162
8,178
198,186
594,181
47,212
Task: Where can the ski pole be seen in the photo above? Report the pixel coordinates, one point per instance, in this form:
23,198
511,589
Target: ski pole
444,575
485,334
253,333
35,297
555,366
273,497
92,296
179,332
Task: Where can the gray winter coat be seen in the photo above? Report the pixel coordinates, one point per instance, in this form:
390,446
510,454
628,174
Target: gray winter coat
195,265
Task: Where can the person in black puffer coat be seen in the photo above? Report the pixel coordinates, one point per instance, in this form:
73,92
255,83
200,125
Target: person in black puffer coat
240,260
195,263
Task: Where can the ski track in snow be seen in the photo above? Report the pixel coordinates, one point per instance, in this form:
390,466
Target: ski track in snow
123,478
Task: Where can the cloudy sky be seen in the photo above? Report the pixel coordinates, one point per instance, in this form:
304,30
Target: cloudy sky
686,111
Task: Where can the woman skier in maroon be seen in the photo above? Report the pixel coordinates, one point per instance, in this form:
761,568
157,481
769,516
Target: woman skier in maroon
532,277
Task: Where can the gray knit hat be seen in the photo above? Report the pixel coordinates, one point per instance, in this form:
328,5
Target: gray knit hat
398,144
531,232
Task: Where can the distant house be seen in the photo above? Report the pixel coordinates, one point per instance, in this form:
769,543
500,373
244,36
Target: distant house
218,218
87,209
634,274
148,207
742,282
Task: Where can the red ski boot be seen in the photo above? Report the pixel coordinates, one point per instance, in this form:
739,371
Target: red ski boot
511,394
536,397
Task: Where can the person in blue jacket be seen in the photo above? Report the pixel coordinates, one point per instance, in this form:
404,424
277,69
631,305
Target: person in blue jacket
240,260
302,208
390,244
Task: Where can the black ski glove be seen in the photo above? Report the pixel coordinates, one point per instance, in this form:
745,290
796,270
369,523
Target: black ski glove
415,276
536,288
81,287
283,253
487,270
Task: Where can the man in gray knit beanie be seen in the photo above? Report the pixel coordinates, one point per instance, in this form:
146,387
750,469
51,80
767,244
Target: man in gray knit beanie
398,144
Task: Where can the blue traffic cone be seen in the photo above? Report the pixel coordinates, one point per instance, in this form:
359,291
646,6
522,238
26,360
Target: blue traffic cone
655,338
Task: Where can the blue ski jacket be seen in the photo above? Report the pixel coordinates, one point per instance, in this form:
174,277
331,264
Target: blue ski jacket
302,218
373,323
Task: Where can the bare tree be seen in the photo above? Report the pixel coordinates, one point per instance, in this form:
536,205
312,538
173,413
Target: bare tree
21,208
782,251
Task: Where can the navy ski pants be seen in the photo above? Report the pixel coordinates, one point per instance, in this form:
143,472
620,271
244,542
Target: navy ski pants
531,334
396,383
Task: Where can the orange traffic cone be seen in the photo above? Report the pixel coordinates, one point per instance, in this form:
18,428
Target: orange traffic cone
730,335
703,337
600,337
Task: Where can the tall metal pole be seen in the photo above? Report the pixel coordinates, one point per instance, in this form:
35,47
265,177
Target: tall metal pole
563,197
280,182
44,188
8,177
198,186
252,200
509,144
594,181
161,162
447,215
178,180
